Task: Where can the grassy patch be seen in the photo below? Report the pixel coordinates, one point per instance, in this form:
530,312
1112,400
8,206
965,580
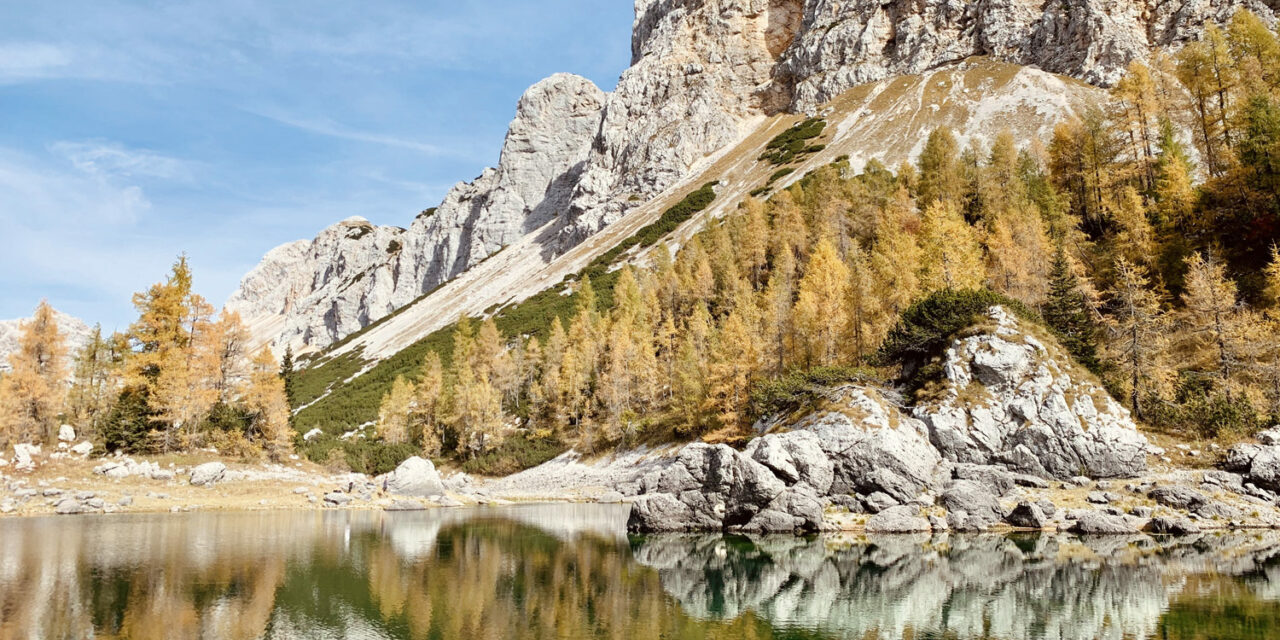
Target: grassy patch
802,389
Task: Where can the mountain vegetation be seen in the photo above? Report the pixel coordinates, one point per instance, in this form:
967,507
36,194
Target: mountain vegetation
180,378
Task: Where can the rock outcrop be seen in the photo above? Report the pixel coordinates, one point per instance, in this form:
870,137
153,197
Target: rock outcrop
1010,408
704,75
1010,398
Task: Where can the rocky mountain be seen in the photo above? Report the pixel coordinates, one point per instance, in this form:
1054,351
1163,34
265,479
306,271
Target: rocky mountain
706,76
73,329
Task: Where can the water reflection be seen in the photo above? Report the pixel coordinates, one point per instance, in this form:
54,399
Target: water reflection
569,571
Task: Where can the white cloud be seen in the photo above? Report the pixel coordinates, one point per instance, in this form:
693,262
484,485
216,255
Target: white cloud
331,129
24,60
108,160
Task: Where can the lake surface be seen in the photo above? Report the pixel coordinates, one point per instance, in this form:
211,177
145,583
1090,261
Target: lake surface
570,571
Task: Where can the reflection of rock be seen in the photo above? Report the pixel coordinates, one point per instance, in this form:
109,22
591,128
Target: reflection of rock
952,586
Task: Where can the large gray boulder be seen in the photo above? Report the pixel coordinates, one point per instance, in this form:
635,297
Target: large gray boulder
714,488
208,474
972,504
1010,395
1027,515
903,519
873,445
1099,523
415,478
1259,464
795,457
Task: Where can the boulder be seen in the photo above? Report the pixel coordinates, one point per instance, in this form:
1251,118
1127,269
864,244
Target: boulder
337,499
1099,523
24,456
1170,525
879,501
66,433
1000,480
979,506
415,478
1178,497
1027,515
719,489
1270,437
1258,464
207,474
611,497
69,507
83,449
795,457
1010,395
902,519
796,509
873,445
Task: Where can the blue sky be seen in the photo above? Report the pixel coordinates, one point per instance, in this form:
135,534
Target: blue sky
131,132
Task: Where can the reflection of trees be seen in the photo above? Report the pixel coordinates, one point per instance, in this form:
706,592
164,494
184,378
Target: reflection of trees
964,587
570,573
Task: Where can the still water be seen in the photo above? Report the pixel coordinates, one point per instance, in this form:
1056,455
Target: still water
570,571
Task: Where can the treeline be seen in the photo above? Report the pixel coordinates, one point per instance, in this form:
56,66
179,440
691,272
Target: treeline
180,378
1159,273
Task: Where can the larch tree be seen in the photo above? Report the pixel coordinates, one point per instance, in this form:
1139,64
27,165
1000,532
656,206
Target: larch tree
868,321
952,257
941,176
896,259
476,412
1212,331
734,362
428,405
1016,246
395,412
822,306
224,347
95,381
1138,324
266,401
33,392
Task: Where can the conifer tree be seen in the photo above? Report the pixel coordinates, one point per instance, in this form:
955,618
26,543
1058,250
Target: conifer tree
952,257
427,405
265,399
734,362
32,394
395,411
95,382
1016,246
821,310
1067,311
941,177
1138,324
1212,331
1175,191
867,318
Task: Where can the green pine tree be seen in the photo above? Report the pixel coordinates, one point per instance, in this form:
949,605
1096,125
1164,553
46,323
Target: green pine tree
1067,311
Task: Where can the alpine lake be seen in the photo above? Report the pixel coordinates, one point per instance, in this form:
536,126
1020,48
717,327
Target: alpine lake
571,571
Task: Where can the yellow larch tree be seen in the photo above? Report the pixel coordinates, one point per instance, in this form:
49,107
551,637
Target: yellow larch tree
1138,326
32,394
395,412
265,399
952,257
822,306
1213,334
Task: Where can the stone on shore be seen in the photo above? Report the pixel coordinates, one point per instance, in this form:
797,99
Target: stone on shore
208,474
414,478
902,519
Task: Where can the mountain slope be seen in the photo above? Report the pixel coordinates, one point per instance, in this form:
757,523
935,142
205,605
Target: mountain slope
705,74
74,331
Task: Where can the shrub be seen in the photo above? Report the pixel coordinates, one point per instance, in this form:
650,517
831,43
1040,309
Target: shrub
129,422
515,454
800,389
926,328
794,142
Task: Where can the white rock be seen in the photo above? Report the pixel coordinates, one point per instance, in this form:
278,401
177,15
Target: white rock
208,473
308,436
414,477
66,433
83,449
24,456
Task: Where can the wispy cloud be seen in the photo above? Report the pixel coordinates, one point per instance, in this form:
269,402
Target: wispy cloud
110,160
23,60
331,129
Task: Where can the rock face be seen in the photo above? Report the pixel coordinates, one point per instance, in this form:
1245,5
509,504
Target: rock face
1259,464
415,478
846,43
73,330
313,293
1011,398
704,74
1024,408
